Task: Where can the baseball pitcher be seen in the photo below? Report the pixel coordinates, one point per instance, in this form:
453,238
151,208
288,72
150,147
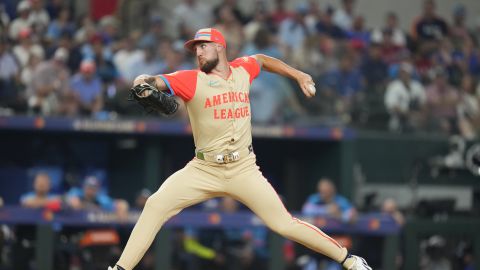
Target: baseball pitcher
216,96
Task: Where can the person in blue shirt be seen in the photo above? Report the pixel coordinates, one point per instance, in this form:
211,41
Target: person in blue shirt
88,87
90,197
346,81
327,202
41,195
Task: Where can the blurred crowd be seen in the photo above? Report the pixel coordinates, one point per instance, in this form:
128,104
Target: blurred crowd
59,59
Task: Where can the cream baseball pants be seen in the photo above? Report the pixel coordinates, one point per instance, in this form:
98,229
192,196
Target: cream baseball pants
242,180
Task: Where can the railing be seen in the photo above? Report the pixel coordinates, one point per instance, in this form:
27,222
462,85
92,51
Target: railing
47,220
161,127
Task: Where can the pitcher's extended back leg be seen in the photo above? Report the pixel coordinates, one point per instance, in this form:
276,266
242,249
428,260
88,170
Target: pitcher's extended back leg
257,194
186,187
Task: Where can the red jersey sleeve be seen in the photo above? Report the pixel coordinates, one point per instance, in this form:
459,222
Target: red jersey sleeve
181,83
249,64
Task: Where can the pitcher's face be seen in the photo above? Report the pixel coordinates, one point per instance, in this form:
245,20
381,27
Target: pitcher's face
207,55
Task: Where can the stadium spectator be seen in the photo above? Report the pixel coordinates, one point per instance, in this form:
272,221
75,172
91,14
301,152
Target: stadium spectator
127,54
345,85
389,207
358,33
434,254
327,202
54,7
233,6
293,32
313,16
155,32
4,19
174,58
326,26
442,102
229,24
397,35
49,84
346,81
90,197
26,74
392,53
405,100
260,20
134,15
105,68
38,17
85,30
191,15
343,17
61,25
429,26
452,62
280,13
459,32
122,208
374,70
109,30
9,75
41,195
74,54
27,47
88,86
468,108
22,21
149,63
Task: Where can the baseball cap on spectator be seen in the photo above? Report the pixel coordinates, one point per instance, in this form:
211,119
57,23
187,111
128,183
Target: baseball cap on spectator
23,6
91,181
61,54
87,66
24,33
406,67
206,35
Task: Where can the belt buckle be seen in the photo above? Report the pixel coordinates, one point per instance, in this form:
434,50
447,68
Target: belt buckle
228,158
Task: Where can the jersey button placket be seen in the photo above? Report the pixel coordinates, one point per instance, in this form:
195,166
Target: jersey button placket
231,88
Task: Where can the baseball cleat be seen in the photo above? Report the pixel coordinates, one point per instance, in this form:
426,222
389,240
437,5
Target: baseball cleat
359,264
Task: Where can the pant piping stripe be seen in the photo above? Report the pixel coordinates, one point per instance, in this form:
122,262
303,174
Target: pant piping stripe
306,224
318,231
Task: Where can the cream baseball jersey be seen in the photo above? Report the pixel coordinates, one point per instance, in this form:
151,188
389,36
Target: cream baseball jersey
219,109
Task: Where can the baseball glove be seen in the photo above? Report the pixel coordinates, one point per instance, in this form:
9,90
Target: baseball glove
153,100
